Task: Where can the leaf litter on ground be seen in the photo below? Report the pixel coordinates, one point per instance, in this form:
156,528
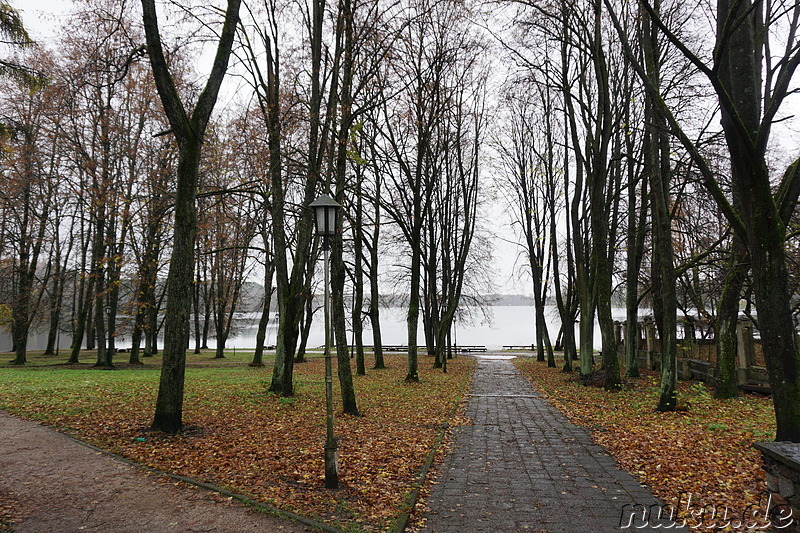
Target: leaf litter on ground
703,450
242,438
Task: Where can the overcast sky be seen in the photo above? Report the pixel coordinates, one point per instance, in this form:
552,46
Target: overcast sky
42,17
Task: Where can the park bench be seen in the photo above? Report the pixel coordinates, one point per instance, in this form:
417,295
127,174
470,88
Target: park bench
385,348
395,348
469,349
699,370
519,346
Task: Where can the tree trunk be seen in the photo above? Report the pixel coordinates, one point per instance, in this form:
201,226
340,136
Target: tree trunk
151,332
728,320
375,322
765,228
21,310
564,298
169,404
601,195
358,290
305,331
198,333
635,243
82,316
145,297
263,323
292,289
99,300
412,317
57,303
189,130
657,153
349,404
543,345
583,281
374,294
222,337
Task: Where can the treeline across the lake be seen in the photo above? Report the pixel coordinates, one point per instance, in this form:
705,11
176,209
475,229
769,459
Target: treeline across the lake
630,141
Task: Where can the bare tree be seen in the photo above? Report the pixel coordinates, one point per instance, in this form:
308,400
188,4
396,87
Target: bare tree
27,197
188,127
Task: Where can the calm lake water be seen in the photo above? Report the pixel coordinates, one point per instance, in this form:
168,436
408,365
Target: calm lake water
507,325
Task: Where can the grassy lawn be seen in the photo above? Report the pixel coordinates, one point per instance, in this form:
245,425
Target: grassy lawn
240,437
704,449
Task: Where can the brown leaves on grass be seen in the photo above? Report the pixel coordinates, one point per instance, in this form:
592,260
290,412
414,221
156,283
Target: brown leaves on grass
271,448
705,448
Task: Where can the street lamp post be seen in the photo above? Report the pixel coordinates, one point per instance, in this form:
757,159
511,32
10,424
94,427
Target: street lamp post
325,218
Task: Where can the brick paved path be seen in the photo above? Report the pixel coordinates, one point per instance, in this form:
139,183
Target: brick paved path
523,467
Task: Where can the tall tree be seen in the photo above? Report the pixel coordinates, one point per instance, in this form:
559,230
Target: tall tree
188,127
529,156
291,263
409,127
371,240
26,201
656,156
636,229
457,197
602,201
30,241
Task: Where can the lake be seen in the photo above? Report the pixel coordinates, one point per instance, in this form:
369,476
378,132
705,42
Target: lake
507,325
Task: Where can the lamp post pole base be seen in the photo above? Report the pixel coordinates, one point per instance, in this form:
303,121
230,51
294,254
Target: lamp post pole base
331,467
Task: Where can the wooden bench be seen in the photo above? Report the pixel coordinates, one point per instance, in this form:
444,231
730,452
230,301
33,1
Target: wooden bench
394,348
386,347
469,349
699,370
404,348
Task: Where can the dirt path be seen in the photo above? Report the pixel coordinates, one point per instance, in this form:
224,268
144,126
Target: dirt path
49,482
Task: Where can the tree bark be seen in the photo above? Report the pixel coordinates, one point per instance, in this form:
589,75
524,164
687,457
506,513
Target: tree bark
358,291
292,289
657,153
636,231
374,294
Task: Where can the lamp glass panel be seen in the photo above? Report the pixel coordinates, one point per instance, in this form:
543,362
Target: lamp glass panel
330,214
319,219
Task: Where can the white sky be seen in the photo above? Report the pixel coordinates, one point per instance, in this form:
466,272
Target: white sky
42,18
